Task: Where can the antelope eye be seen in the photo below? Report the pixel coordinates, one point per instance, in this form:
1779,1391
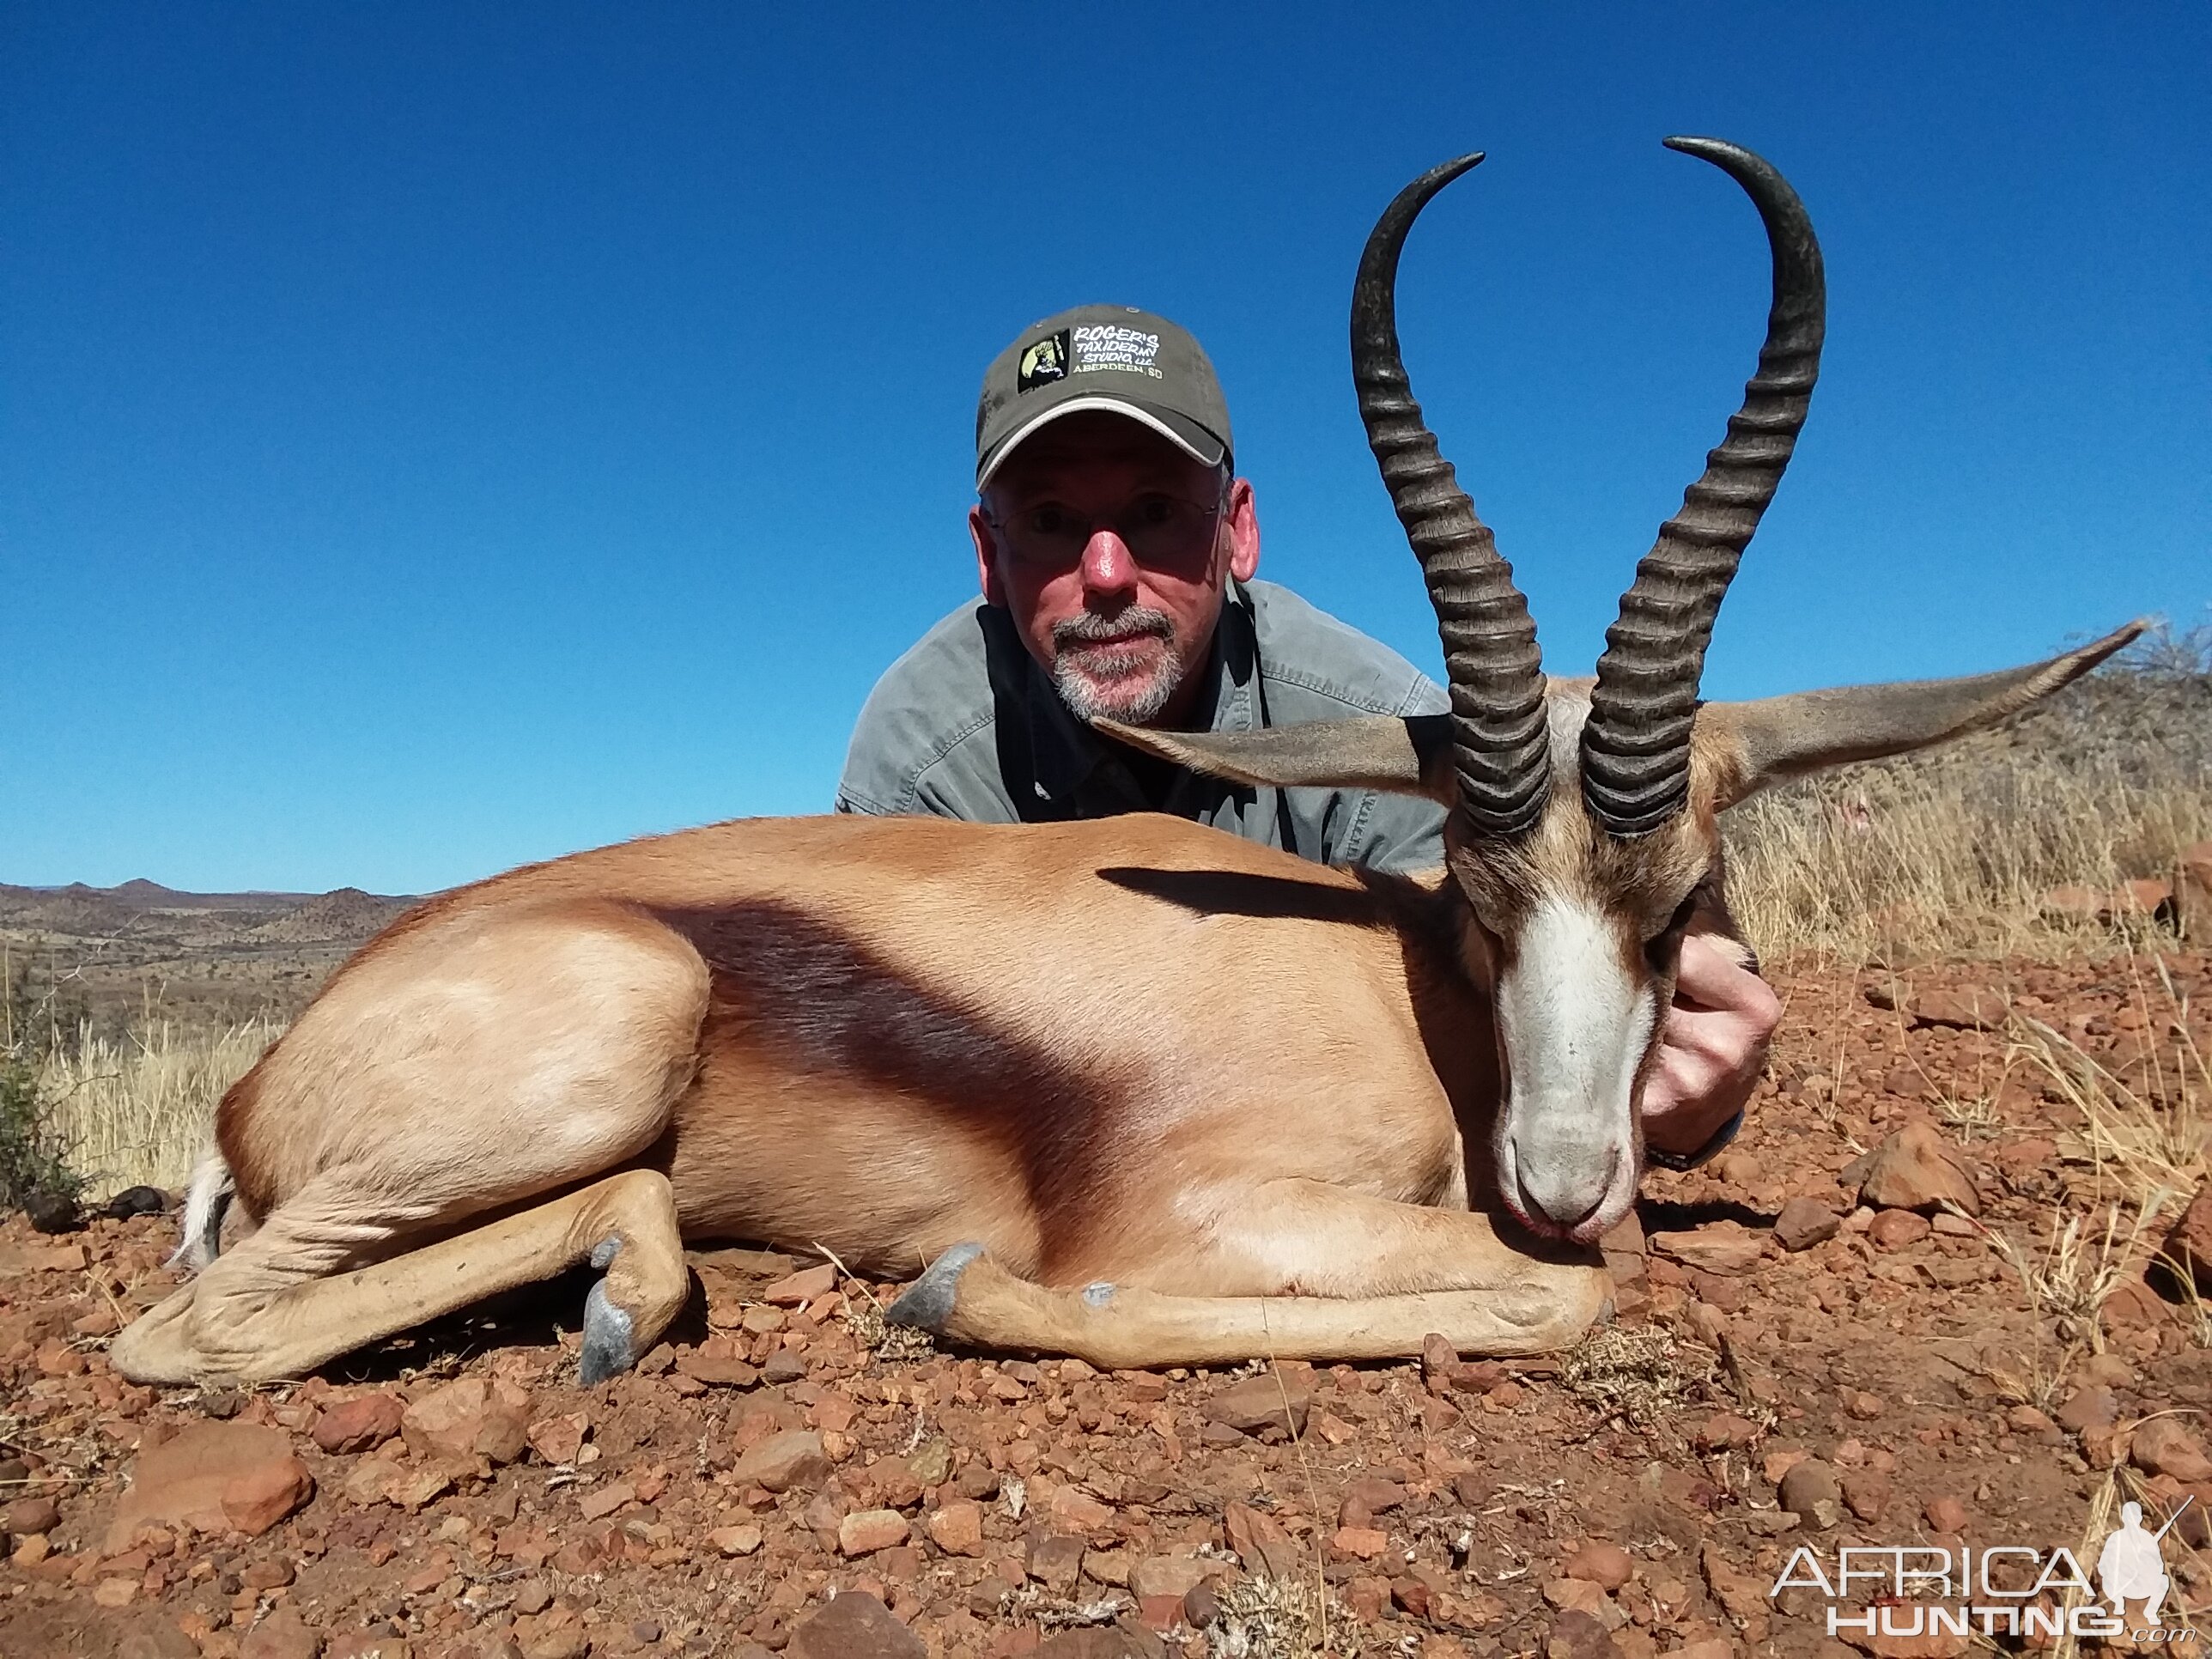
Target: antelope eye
1659,950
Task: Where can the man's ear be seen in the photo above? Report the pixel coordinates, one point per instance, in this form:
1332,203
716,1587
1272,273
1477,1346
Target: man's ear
1409,755
1243,532
986,556
1751,745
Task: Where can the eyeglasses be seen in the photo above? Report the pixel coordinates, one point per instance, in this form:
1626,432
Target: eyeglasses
1156,529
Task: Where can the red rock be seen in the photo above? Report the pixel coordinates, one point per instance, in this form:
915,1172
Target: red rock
358,1424
467,1420
2091,1407
866,1531
1073,1510
1811,1491
2132,1304
2188,1246
1866,1493
1360,1543
1861,1405
190,1480
162,1640
1439,1360
796,1289
1916,1168
1162,1576
1597,1562
602,1501
1893,1230
559,1439
282,1635
740,1539
270,1574
1724,1430
957,1528
1115,1641
29,1515
1160,1613
1281,1395
1720,1246
854,1626
1574,1634
1055,1560
1804,1223
793,1458
2162,1446
1946,1515
260,1495
718,1370
1977,1009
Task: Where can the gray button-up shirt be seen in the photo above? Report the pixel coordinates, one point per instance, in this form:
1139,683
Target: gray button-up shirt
966,725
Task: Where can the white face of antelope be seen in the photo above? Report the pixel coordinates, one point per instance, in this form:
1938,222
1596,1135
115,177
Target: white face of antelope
1574,1024
1583,931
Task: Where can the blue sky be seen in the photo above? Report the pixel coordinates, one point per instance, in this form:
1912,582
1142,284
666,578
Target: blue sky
433,437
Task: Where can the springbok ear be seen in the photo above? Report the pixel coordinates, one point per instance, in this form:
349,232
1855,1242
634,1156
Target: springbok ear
1409,755
1778,738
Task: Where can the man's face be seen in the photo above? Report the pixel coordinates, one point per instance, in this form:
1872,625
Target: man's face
1121,617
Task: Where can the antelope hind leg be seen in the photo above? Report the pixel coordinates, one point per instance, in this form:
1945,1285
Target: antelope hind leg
242,1319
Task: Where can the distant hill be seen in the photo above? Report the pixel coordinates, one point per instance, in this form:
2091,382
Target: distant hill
147,911
118,957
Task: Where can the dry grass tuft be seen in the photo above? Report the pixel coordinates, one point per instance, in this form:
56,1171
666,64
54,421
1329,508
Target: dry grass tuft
138,1111
1268,1619
2068,1280
2143,1148
1637,1375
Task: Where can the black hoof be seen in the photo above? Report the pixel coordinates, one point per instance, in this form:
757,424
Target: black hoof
607,1351
926,1303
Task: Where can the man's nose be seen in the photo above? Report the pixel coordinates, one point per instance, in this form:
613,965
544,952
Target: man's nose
1107,566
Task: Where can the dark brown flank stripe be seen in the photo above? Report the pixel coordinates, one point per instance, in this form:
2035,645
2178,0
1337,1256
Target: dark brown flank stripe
797,987
252,1185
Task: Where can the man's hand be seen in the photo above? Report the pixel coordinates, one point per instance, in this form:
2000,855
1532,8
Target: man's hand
1712,1045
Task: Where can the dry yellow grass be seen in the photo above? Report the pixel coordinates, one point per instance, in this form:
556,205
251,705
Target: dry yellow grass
139,1111
1953,851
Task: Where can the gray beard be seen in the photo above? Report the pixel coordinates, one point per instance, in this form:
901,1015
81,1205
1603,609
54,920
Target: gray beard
1126,697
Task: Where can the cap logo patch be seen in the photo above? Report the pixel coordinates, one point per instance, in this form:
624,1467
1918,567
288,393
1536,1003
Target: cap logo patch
1044,364
1109,346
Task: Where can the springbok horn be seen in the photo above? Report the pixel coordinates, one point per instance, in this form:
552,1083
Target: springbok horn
1499,735
1636,743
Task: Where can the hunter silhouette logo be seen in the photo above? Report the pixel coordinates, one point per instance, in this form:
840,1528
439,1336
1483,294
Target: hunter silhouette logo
2131,1567
1044,362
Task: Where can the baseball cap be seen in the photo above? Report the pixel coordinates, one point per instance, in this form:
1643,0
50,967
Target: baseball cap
1110,357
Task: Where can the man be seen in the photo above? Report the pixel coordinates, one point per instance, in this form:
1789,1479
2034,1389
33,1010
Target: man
1117,551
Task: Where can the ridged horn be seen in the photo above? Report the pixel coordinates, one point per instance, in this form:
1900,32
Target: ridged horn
1500,744
1636,744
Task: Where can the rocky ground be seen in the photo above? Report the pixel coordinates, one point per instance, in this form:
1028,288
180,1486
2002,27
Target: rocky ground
1868,1323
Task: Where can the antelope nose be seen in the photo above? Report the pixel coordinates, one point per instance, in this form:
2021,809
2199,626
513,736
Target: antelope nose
1565,1188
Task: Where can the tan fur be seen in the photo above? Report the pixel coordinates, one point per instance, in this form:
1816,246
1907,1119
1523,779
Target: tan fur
1264,1128
1134,1050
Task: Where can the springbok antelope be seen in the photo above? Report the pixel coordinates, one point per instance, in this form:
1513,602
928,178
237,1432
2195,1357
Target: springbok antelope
1138,1090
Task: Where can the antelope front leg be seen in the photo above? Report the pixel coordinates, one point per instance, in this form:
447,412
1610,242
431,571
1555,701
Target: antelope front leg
1391,1274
